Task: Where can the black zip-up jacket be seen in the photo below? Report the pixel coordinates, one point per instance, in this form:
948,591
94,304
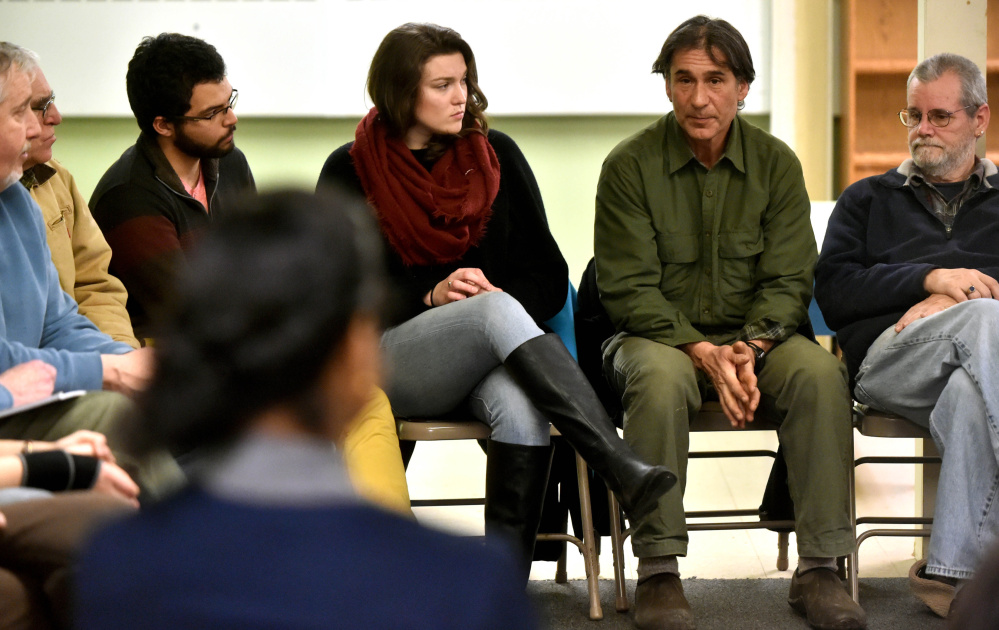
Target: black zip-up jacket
149,219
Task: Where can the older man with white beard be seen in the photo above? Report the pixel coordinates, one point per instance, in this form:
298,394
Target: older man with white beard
40,321
79,251
907,277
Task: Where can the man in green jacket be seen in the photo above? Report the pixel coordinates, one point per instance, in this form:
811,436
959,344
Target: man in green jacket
704,252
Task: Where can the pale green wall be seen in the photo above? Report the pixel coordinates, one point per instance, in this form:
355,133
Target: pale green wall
565,153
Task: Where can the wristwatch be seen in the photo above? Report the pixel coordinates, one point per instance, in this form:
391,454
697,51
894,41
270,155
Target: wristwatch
760,356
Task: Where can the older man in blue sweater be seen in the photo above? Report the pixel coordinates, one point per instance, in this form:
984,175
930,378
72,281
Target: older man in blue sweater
38,320
907,277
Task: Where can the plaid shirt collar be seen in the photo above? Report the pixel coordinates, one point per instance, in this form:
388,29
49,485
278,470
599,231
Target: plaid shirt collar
945,210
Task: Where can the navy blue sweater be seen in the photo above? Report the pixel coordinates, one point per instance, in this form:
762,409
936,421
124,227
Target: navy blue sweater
882,240
197,561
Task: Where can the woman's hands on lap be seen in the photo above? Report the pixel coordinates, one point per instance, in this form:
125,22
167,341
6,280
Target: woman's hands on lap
463,283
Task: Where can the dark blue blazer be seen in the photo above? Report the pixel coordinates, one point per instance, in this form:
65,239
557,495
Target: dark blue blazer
197,561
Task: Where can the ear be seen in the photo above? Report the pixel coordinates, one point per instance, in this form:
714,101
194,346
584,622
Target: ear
743,90
982,119
163,127
669,90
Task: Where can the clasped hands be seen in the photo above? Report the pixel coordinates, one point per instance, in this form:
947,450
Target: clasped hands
948,287
461,284
732,372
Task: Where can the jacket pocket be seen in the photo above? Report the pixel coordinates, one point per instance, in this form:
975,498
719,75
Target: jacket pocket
738,253
64,221
679,254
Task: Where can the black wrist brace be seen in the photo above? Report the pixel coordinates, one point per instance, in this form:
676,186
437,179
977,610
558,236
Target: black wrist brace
57,471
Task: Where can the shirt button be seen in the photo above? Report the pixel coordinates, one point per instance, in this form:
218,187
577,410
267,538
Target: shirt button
707,271
706,311
709,193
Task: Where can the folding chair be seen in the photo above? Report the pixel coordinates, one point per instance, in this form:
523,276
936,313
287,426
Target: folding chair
427,430
710,418
874,423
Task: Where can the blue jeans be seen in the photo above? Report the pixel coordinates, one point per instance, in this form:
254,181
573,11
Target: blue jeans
942,372
453,355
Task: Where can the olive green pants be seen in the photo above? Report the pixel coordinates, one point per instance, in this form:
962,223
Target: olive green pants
806,387
103,412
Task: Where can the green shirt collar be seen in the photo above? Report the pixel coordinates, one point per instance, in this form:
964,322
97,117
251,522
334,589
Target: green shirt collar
678,152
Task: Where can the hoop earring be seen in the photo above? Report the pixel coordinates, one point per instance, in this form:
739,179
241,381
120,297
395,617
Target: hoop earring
741,105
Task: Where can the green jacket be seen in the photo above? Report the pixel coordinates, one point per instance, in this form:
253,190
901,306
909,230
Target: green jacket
684,254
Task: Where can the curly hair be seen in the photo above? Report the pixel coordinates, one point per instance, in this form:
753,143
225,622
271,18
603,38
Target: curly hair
163,72
265,301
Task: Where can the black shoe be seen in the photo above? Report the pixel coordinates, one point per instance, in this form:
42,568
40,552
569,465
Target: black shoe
516,479
557,387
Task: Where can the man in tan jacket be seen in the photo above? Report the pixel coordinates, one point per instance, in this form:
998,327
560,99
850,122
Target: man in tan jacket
79,250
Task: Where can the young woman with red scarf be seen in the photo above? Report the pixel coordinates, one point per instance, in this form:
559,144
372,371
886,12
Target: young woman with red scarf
475,270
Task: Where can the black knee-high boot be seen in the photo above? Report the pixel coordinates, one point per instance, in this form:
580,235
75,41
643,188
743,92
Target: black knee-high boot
516,478
551,378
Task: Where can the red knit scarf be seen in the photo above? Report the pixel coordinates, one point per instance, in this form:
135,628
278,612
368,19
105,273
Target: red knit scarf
428,218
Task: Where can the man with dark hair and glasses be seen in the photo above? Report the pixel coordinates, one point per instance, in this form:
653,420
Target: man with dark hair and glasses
183,172
907,276
79,250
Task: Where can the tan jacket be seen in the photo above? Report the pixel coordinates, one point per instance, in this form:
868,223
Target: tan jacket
79,250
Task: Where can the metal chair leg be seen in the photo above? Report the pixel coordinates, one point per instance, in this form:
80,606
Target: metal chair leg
782,542
590,559
852,569
617,547
561,576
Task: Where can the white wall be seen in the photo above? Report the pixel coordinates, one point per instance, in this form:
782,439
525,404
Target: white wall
310,57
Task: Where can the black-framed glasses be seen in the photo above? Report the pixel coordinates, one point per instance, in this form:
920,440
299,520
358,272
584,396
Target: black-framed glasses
44,107
221,110
937,117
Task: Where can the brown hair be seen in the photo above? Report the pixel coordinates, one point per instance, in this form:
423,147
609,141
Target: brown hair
396,70
708,34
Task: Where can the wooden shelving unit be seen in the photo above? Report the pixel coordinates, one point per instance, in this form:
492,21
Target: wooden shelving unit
880,50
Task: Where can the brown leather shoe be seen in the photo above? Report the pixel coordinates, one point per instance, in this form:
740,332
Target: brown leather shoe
819,596
660,604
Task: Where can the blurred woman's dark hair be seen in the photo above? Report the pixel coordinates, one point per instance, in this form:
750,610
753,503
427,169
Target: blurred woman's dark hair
262,305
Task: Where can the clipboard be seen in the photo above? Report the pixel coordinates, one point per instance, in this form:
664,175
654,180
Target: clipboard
54,398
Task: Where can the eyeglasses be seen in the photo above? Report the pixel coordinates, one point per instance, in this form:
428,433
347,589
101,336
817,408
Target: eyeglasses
221,110
44,107
937,117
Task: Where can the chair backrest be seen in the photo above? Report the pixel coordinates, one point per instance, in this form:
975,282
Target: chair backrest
593,327
563,323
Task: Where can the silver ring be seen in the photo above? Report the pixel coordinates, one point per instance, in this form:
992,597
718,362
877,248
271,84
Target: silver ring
971,289
449,284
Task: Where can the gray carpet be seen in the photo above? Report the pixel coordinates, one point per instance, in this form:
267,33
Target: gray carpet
731,605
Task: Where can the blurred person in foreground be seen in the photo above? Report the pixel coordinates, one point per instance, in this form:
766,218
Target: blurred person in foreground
268,352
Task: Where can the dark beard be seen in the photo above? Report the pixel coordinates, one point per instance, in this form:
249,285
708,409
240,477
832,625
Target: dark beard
184,142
